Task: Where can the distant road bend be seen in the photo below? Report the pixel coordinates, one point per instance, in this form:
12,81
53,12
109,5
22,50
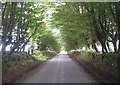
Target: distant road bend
60,69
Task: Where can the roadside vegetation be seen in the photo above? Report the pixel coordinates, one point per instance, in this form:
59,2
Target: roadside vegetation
87,30
110,59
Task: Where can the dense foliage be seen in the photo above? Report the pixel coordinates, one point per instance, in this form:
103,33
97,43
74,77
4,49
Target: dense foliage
42,27
81,25
89,25
24,24
111,59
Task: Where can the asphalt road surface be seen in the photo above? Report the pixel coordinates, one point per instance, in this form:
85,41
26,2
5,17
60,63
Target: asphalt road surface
60,69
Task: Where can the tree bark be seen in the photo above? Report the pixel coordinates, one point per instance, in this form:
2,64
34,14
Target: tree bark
116,16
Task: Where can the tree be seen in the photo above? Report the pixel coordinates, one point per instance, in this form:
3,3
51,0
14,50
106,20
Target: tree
88,24
21,22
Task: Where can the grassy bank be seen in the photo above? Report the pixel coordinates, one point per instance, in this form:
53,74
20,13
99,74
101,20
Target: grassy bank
18,64
104,67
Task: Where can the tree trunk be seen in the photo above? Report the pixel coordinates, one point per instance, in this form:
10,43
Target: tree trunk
116,16
118,22
13,49
115,46
30,37
95,47
108,46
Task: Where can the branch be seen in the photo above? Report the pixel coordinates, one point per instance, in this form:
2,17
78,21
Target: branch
30,36
113,13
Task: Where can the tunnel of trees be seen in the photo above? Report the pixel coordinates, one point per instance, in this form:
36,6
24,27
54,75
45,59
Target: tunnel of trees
49,26
91,29
89,24
80,24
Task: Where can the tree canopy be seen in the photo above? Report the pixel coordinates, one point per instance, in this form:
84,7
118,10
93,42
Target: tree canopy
89,24
80,25
23,24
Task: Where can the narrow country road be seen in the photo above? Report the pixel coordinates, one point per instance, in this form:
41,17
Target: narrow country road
60,69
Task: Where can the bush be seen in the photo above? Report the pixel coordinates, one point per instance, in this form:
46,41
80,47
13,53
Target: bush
41,57
75,52
110,58
15,59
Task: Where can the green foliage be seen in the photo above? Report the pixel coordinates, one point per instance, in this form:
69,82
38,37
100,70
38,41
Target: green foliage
15,59
47,42
41,57
72,26
86,24
110,59
80,24
23,24
38,55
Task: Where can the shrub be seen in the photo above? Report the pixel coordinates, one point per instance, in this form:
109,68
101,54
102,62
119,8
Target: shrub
110,58
41,57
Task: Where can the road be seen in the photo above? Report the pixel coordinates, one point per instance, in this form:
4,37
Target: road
60,69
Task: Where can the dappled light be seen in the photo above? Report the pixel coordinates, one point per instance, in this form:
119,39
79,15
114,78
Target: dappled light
60,33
